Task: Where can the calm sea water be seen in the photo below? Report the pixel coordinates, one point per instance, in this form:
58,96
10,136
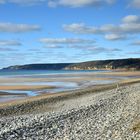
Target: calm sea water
43,72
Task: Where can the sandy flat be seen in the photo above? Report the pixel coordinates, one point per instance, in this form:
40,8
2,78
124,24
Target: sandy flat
25,87
71,94
71,77
78,78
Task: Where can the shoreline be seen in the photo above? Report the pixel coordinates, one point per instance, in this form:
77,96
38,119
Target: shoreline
109,112
57,83
27,106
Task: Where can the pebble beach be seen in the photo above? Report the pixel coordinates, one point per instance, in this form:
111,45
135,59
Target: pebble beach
113,114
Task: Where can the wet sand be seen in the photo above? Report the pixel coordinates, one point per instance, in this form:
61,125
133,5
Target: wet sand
83,80
25,87
74,77
37,101
19,81
7,94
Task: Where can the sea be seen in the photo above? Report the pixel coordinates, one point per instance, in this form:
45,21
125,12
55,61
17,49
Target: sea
43,72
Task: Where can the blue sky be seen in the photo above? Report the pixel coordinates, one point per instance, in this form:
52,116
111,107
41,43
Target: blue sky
58,31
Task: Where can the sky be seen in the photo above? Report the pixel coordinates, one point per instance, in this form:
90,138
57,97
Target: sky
63,31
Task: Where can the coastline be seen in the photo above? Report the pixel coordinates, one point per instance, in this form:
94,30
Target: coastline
105,112
29,105
56,83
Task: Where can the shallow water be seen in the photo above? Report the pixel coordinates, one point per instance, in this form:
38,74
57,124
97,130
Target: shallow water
62,80
42,73
60,86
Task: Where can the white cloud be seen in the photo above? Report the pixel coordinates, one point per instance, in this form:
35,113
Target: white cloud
7,49
9,43
2,1
18,28
131,19
54,3
135,52
136,43
81,28
102,49
114,37
53,46
86,45
65,40
132,28
109,28
94,49
111,1
135,3
79,3
122,28
130,25
23,2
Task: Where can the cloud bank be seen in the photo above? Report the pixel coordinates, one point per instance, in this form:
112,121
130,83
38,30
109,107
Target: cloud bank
129,25
79,3
8,50
69,3
136,43
114,37
23,2
18,28
55,3
66,41
95,49
135,3
9,43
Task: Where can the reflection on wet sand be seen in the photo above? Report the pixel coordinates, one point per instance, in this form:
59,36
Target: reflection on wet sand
38,84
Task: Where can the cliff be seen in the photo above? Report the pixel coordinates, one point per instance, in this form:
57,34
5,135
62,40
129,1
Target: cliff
127,64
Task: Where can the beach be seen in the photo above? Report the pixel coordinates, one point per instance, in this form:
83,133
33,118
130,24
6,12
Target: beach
110,114
36,84
70,70
105,111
